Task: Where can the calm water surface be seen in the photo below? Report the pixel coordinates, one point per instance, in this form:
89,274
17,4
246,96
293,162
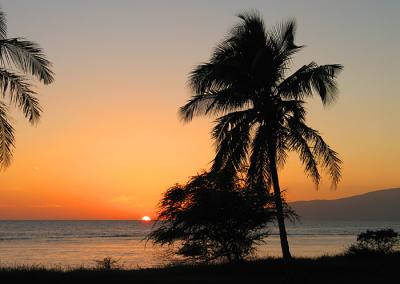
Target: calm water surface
77,243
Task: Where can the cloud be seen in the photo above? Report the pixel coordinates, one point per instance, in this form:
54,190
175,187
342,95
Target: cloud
122,199
47,206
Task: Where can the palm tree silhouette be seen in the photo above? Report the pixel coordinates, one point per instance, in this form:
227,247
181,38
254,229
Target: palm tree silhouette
18,58
261,113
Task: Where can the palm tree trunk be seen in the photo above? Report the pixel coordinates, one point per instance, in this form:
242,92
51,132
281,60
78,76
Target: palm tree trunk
279,210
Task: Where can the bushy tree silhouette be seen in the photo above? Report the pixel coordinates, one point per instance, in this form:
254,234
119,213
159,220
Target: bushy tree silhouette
212,217
375,241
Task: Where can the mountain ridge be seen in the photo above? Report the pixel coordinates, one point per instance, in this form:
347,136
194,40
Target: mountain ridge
378,205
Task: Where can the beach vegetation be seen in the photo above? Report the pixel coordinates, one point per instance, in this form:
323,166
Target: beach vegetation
382,241
108,263
213,218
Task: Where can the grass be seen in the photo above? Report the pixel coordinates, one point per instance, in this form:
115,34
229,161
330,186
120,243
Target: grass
333,269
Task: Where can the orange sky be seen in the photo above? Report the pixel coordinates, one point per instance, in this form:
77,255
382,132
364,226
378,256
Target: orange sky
110,141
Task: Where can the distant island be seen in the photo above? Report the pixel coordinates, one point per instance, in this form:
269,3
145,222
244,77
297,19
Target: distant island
380,205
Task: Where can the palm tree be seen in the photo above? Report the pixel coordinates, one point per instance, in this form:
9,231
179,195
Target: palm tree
260,110
18,58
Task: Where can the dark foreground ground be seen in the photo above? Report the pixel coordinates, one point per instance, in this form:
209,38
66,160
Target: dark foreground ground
338,269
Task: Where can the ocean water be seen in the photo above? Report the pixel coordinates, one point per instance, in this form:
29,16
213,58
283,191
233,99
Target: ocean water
80,243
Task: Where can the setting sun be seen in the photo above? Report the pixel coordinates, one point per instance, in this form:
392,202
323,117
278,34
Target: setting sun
146,218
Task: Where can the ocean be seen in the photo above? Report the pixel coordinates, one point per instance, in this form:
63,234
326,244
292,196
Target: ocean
71,244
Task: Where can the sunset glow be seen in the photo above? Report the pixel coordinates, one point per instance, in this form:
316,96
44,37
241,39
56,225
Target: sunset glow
110,142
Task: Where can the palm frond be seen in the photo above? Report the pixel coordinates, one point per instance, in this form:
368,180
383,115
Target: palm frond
327,157
330,160
3,25
217,76
243,50
281,38
259,170
298,143
309,79
283,35
21,94
232,150
281,146
28,57
293,108
226,123
6,138
214,103
250,33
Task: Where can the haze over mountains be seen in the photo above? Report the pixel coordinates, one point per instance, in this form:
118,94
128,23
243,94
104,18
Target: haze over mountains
381,205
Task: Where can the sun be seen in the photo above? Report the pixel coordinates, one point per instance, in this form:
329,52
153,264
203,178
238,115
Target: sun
146,218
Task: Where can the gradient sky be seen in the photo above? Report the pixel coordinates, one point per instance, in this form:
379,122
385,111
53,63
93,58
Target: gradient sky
110,141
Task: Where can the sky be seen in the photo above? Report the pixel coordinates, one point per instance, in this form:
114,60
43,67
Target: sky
110,141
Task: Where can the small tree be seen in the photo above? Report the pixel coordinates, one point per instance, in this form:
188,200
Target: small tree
212,217
379,241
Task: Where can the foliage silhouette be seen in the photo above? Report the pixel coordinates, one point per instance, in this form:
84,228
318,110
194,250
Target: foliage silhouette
327,270
378,241
261,112
108,263
19,58
213,217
